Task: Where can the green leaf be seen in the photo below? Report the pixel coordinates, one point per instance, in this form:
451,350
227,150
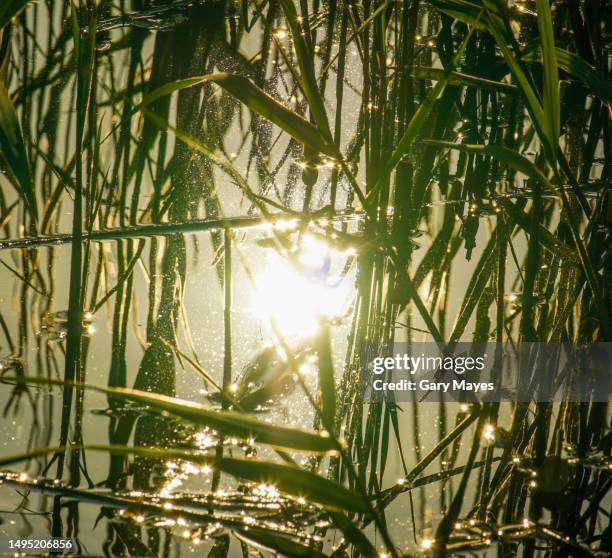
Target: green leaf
287,478
552,108
258,101
307,78
461,10
354,534
13,151
231,423
461,79
220,548
504,154
278,543
169,88
502,38
583,71
226,422
580,70
296,481
9,9
26,456
327,385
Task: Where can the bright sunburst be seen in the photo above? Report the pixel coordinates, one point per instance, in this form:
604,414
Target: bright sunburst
295,293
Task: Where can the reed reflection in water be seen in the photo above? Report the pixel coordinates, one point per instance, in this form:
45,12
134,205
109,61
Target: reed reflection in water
208,207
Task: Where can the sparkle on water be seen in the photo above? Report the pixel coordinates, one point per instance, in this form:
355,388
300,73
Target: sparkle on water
489,432
292,295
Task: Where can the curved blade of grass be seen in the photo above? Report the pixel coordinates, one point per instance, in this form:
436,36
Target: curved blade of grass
496,22
504,154
466,11
327,384
296,481
278,543
500,36
258,101
580,70
499,28
231,423
532,102
228,423
552,108
461,10
150,504
26,456
353,534
13,151
458,78
548,240
9,9
305,62
287,478
168,89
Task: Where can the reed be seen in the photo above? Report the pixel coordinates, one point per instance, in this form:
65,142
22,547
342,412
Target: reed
457,150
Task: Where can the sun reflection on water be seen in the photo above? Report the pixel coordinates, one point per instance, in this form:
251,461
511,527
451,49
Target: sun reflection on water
294,292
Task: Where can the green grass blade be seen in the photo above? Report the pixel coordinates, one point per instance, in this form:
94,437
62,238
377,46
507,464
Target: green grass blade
305,62
461,79
580,70
494,22
504,154
13,151
461,10
229,423
287,478
278,543
327,386
296,481
169,88
583,71
552,108
353,534
534,106
453,435
258,101
26,456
